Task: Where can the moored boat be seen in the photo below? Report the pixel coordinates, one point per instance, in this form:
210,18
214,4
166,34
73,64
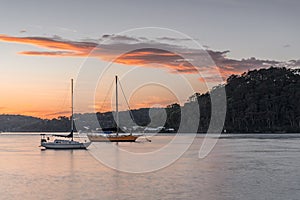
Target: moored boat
69,142
114,137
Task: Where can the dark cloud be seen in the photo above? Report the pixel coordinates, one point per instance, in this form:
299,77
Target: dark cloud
294,63
173,39
106,36
224,63
57,37
121,38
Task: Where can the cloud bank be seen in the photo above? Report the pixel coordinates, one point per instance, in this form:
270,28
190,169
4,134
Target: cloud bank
140,51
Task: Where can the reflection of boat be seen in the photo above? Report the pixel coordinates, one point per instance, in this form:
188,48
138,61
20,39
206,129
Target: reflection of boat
114,137
69,143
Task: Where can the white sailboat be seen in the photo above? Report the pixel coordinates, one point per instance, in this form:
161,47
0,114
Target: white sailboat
114,137
69,142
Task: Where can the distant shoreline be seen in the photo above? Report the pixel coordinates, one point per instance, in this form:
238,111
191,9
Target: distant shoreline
263,101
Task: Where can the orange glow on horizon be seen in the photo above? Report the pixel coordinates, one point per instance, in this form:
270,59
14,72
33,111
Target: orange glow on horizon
37,105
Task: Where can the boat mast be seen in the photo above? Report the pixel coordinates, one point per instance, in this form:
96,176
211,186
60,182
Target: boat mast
117,108
72,105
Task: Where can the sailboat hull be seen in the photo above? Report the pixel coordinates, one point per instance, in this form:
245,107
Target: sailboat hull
114,138
65,145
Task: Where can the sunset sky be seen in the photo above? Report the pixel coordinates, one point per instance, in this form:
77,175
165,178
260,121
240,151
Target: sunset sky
43,44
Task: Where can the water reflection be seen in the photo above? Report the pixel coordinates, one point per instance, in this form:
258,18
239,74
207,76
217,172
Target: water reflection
244,168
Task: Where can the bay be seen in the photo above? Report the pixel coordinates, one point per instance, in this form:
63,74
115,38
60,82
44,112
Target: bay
243,166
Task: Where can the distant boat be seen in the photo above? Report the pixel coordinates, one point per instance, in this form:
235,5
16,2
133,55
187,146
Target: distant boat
69,143
114,137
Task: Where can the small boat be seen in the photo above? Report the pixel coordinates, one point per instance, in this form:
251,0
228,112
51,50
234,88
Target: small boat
62,143
114,137
69,143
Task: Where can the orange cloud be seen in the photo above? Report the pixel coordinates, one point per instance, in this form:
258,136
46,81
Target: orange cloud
143,54
139,56
51,43
147,56
49,53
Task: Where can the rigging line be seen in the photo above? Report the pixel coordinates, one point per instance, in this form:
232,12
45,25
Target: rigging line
112,83
130,113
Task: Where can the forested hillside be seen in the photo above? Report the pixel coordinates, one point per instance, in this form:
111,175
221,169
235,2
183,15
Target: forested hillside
265,100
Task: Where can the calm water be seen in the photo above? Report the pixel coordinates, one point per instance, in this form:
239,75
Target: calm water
239,167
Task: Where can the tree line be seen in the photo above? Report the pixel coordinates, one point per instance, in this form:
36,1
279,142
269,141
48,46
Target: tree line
258,101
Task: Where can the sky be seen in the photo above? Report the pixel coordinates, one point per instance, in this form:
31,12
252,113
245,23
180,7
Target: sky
162,51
